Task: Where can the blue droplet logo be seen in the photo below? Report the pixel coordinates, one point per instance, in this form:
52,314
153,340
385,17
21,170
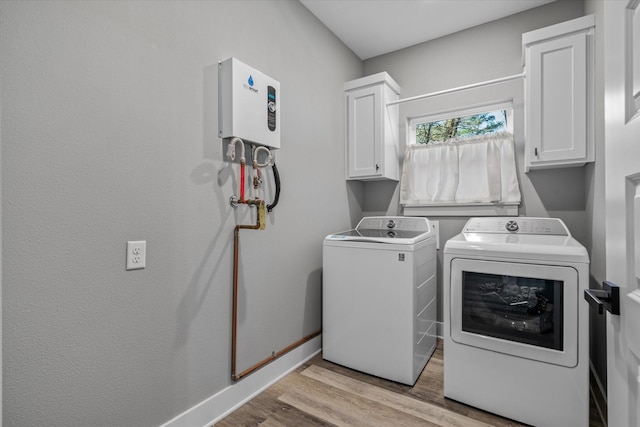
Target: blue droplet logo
250,81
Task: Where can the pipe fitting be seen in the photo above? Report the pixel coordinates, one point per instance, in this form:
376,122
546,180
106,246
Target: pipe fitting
256,164
231,149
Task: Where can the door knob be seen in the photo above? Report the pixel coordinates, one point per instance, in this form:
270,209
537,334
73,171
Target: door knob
608,297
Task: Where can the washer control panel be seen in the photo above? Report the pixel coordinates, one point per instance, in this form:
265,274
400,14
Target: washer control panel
517,225
394,223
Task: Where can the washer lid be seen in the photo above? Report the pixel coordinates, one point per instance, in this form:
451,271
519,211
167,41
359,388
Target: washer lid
387,229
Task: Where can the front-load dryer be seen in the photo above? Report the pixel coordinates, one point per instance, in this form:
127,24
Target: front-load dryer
515,325
379,297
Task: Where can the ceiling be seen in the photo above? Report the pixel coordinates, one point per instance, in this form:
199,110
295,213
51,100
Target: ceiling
374,27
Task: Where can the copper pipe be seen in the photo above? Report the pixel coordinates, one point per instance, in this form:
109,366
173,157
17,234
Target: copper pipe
234,321
275,355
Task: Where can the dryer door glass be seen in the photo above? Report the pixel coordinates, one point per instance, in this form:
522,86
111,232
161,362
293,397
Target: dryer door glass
525,310
513,308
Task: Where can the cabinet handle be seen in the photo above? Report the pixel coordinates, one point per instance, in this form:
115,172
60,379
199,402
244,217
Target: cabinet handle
535,151
377,167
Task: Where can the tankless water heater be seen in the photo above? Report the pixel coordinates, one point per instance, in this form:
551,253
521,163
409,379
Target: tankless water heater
248,104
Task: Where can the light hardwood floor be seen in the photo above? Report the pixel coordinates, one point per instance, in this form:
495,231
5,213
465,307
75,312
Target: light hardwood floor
320,393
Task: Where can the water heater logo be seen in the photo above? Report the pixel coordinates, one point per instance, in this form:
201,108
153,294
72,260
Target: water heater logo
250,85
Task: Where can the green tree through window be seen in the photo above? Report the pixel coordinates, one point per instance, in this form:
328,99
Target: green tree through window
477,124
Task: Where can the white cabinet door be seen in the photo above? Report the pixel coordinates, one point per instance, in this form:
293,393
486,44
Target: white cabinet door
364,131
372,128
559,98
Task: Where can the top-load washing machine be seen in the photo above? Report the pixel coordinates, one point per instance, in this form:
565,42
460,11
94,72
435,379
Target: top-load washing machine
516,326
379,297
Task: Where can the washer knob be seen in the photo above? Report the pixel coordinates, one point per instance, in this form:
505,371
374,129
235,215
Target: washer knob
391,223
512,226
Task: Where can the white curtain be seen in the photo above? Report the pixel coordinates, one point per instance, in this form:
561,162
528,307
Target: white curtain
461,171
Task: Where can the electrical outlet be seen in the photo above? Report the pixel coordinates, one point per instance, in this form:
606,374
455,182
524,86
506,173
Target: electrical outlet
136,254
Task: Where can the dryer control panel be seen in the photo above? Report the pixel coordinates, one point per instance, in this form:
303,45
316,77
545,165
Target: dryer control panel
517,225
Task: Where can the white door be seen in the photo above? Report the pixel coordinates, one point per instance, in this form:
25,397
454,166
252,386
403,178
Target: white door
622,189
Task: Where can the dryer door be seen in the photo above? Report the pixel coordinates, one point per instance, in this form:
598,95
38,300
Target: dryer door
525,310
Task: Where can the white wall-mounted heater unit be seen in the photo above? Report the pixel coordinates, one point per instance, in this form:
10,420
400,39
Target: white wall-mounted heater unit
248,104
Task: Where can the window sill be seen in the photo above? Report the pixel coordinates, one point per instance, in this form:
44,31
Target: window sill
477,209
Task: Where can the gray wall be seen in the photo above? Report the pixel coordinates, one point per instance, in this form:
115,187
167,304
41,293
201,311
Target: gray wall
109,134
574,195
483,53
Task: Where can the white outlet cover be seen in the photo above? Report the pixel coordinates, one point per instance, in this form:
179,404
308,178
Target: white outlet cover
136,254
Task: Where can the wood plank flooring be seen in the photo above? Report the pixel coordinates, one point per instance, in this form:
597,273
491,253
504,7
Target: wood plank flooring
320,393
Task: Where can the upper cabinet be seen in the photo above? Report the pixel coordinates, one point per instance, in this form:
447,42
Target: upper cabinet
559,94
372,148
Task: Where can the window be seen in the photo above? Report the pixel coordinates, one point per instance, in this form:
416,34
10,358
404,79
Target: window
460,124
433,173
461,162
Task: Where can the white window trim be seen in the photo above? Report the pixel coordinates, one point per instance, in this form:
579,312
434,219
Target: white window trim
476,209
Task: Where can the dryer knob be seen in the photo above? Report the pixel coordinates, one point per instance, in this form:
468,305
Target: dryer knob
512,226
391,224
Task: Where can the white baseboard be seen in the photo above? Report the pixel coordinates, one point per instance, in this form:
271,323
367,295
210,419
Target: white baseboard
221,404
